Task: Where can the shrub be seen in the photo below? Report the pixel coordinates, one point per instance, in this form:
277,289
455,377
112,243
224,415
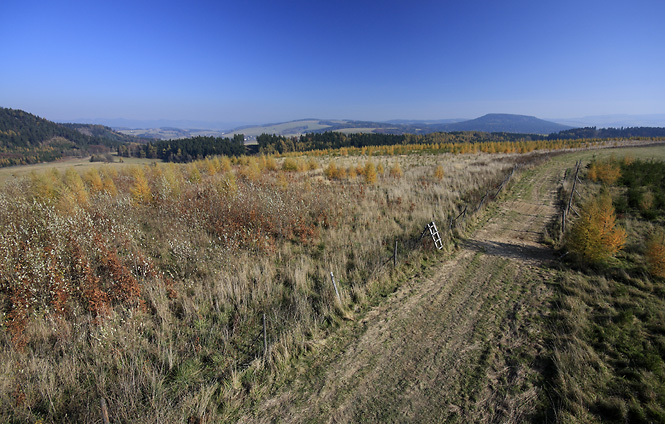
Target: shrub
594,237
438,173
396,171
290,165
313,165
250,170
333,172
269,163
607,172
370,173
655,256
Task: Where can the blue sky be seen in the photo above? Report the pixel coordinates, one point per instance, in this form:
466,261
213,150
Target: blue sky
268,61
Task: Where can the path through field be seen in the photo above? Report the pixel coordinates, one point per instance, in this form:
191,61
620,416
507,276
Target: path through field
462,344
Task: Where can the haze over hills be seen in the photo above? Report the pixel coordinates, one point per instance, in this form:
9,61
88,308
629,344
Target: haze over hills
493,122
488,123
124,123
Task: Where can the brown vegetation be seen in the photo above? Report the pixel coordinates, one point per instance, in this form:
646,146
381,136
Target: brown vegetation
147,285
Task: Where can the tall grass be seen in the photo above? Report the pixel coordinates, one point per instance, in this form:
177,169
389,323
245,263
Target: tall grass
147,286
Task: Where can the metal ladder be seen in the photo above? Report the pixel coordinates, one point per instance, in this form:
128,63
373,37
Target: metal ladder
435,235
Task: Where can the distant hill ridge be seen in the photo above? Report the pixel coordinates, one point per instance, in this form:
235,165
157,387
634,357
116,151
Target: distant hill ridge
509,123
493,122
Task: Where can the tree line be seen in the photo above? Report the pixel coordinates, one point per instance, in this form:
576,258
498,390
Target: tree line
273,144
605,133
186,149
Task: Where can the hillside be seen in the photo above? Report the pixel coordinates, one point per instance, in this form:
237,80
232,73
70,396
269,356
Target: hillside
26,138
103,132
502,122
495,122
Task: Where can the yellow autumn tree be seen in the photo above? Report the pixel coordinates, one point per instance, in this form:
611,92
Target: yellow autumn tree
94,180
655,255
438,173
607,172
370,173
73,181
595,237
140,190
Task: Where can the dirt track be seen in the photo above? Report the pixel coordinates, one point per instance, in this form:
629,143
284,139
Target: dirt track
463,344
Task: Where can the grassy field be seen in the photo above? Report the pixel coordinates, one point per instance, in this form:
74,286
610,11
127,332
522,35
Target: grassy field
148,285
81,164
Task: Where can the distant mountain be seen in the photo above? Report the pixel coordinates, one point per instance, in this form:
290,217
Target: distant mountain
503,122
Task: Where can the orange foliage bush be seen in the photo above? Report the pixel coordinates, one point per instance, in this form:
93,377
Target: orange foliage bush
607,172
594,237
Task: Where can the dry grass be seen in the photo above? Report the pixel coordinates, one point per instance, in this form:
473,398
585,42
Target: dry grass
16,172
147,285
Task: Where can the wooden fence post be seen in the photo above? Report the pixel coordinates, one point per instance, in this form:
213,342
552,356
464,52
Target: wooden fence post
105,412
570,199
335,286
265,337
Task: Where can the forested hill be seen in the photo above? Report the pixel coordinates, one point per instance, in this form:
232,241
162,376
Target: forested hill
503,122
105,133
26,138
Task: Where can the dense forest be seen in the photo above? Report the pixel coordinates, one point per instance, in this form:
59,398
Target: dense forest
186,149
111,137
605,133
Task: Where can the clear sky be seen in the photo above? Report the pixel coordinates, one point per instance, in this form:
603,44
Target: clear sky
279,60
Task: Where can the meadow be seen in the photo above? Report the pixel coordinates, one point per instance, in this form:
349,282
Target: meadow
147,285
188,291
